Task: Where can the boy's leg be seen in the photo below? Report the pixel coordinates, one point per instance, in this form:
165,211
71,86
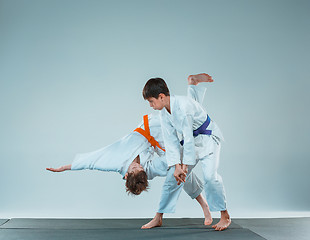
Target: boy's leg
193,187
169,197
196,92
214,188
205,208
171,192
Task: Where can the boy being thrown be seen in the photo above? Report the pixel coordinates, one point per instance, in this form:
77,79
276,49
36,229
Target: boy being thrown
182,116
139,159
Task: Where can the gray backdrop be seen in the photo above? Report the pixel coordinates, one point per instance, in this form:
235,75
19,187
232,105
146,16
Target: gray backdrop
72,73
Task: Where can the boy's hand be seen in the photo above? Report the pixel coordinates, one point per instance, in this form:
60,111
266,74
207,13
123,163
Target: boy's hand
185,168
179,174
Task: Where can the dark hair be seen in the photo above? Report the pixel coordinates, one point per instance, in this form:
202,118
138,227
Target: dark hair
136,183
154,87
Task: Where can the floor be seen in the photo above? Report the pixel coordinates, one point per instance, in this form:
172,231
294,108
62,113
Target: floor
278,228
173,228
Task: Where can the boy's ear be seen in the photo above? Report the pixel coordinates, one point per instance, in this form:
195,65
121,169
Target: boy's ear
126,175
161,96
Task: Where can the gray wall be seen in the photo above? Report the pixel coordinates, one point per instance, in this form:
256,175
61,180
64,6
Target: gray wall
71,77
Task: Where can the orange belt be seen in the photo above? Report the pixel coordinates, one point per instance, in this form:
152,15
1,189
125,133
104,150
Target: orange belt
146,133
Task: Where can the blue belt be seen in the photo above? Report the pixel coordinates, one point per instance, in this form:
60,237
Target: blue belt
202,129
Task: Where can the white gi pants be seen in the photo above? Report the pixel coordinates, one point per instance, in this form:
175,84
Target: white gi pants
193,187
213,184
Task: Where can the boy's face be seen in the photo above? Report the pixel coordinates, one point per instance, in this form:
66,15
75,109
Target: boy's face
134,168
156,103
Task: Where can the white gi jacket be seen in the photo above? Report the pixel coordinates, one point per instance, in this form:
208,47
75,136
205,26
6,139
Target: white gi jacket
118,156
186,116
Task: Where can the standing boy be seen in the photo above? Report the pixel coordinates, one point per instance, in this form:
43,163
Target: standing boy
184,118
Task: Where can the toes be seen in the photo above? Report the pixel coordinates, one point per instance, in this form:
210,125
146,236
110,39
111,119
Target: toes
208,222
145,226
223,228
190,78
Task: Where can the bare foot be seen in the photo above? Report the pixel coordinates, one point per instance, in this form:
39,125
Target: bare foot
223,223
208,217
202,77
191,81
155,222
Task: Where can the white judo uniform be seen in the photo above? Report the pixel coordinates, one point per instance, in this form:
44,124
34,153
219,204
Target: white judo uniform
188,115
118,156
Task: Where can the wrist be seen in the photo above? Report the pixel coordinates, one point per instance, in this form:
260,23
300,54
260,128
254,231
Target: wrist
178,166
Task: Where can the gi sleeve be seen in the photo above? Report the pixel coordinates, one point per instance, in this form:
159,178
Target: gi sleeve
196,92
93,161
189,154
156,168
172,142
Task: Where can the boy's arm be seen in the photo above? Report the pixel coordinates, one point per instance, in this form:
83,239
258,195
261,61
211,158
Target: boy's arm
189,153
172,143
96,160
